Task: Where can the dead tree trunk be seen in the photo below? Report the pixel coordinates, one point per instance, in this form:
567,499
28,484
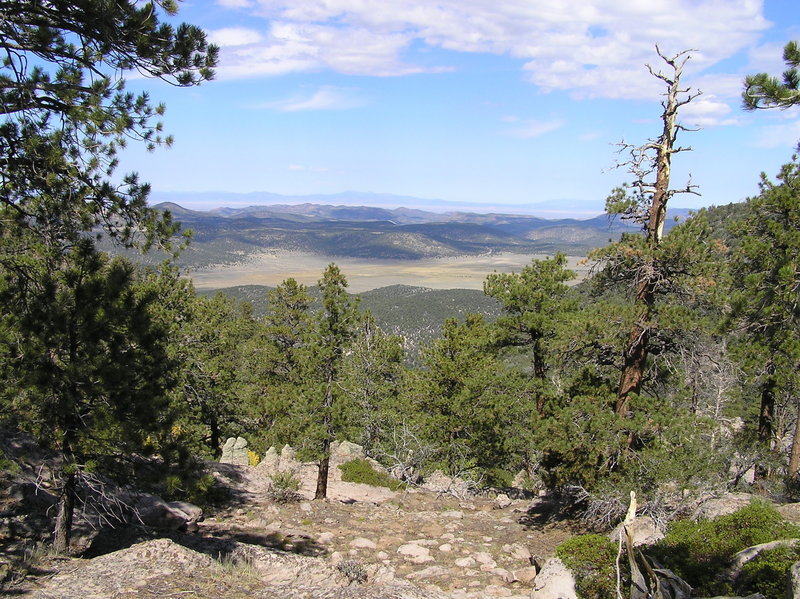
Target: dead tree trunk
650,209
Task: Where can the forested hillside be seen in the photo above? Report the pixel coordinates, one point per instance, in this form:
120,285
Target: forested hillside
416,314
671,372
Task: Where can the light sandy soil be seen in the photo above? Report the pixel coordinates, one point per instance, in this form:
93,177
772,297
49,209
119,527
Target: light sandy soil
464,272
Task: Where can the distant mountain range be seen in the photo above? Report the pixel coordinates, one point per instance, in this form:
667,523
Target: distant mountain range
559,208
229,235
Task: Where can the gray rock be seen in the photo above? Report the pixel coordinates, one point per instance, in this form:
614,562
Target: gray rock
793,583
271,460
345,451
721,506
154,512
643,530
502,501
525,575
192,512
235,452
555,581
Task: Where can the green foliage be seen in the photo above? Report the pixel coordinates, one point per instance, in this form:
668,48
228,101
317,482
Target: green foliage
361,471
698,551
768,573
533,302
469,404
284,487
765,91
592,560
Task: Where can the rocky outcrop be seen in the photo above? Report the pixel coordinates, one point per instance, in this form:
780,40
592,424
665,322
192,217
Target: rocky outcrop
235,452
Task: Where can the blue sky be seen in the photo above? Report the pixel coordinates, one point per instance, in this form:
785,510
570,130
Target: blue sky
473,101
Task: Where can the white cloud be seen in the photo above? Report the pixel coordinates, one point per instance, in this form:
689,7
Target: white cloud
325,98
591,48
235,3
707,111
531,128
785,135
234,36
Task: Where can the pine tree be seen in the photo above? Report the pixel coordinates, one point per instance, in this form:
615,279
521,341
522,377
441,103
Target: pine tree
334,332
533,303
766,91
766,268
86,366
67,315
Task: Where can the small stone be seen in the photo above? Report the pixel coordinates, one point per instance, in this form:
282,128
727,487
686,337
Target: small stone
382,555
362,543
429,572
454,514
483,558
325,537
525,575
465,562
518,551
507,576
305,507
415,553
446,548
502,501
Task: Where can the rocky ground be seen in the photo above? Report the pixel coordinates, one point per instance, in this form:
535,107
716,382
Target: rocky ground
362,541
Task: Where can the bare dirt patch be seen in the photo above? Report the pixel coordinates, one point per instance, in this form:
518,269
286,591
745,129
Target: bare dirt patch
463,272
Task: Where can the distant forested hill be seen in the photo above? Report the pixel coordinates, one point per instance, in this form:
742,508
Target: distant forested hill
228,236
414,313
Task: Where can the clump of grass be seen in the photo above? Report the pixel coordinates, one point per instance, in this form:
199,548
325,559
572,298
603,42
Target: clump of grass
284,487
361,471
353,570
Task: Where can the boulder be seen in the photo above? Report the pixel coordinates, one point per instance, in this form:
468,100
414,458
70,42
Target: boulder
793,584
154,512
439,482
345,451
235,452
555,581
271,460
721,506
644,531
502,501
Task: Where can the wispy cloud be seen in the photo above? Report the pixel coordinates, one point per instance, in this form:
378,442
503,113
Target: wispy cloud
234,36
527,129
235,3
785,134
707,111
325,98
591,48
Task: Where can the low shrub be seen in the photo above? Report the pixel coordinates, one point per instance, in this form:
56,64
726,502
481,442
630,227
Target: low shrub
699,551
768,572
284,487
353,570
592,560
361,471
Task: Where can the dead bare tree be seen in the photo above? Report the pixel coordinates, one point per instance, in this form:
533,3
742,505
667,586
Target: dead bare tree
645,200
